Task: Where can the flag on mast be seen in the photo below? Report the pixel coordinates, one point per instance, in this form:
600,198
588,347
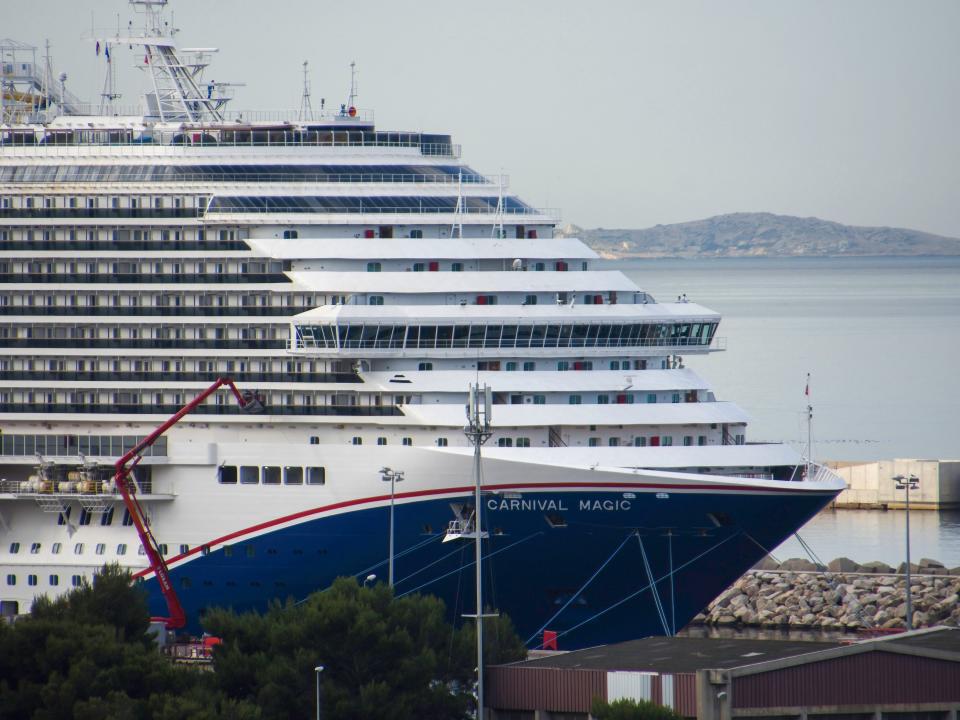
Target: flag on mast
806,390
98,48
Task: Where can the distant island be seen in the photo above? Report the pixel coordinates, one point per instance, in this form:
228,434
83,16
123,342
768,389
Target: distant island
761,235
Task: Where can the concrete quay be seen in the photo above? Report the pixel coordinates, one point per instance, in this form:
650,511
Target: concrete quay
870,485
843,596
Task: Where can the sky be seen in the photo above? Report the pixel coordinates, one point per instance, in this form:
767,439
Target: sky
621,113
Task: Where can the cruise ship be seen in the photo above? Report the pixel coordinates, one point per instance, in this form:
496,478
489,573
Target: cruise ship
354,283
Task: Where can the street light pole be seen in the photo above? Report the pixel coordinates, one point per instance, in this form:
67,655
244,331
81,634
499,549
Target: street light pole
478,430
318,669
393,477
908,483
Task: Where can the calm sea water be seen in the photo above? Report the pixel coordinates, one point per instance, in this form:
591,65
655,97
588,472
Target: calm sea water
881,340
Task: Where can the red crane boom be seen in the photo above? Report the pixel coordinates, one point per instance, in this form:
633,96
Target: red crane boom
122,469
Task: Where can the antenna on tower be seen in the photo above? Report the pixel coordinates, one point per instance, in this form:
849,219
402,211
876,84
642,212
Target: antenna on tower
352,103
497,230
306,107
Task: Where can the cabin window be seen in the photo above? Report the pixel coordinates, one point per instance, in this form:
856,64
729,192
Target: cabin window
31,580
575,399
316,476
34,548
293,475
408,441
456,267
249,474
374,267
290,234
523,442
56,548
356,440
122,549
441,442
227,475
271,474
11,579
381,441
504,442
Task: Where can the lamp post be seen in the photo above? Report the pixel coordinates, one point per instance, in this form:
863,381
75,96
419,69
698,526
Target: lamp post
318,669
392,477
908,483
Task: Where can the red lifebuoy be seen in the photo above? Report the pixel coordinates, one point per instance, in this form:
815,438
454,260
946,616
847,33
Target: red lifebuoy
352,112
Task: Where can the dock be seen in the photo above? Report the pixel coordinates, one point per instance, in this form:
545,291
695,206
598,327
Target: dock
870,485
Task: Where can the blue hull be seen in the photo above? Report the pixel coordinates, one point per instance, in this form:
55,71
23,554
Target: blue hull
693,545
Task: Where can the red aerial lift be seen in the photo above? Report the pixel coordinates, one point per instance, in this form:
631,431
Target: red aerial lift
121,476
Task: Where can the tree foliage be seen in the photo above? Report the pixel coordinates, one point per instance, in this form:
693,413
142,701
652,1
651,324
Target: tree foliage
625,709
89,655
383,657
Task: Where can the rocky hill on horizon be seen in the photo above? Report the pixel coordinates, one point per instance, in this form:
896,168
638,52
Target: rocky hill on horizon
762,235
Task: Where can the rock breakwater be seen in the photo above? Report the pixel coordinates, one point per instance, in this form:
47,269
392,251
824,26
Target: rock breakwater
842,596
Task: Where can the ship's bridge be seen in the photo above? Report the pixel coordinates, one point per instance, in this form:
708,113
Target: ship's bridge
463,330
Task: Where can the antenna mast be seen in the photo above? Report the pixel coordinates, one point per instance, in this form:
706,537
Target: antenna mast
809,430
352,103
306,106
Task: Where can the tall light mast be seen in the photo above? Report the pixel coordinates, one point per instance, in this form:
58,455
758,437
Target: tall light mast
478,429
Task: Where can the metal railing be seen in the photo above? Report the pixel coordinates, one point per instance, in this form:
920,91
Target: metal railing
303,178
170,409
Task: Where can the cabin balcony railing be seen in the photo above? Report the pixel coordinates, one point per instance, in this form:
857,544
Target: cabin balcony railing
169,409
145,278
166,377
259,178
192,311
143,344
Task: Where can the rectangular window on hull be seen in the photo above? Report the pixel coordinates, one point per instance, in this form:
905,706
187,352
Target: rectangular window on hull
293,475
227,474
271,475
249,475
316,476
